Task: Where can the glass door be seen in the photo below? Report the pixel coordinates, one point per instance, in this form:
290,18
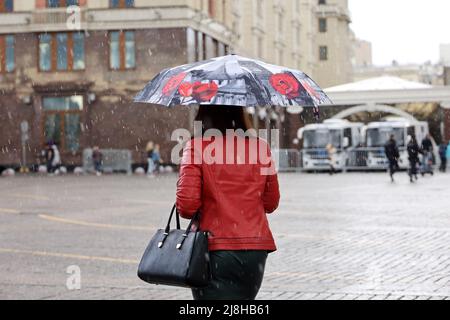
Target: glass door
62,119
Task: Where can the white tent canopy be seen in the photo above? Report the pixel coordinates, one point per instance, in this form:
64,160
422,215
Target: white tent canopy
388,90
379,83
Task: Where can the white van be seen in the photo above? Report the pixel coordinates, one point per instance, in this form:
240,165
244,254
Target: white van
376,134
342,134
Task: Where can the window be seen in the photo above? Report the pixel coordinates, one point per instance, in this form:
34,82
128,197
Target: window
61,51
62,61
348,134
200,48
122,50
6,5
130,52
7,62
62,121
322,2
215,48
121,3
61,3
322,25
45,54
78,51
323,53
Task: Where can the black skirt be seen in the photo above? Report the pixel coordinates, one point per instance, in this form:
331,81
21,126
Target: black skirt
236,275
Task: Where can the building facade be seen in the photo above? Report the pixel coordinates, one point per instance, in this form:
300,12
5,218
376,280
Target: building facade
333,43
362,53
71,74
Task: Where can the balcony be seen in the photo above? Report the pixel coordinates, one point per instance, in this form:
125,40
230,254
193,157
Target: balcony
49,19
56,19
11,19
333,10
55,16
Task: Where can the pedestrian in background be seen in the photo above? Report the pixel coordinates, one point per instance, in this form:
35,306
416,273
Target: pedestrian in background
56,163
443,155
97,158
392,154
427,155
413,157
49,155
233,200
150,164
156,157
331,151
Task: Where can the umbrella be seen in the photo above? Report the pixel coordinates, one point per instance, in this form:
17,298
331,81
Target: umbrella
235,81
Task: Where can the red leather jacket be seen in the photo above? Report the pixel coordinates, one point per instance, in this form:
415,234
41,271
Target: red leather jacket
233,199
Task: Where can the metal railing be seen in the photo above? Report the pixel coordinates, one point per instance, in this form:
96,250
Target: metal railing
287,160
113,160
52,16
365,158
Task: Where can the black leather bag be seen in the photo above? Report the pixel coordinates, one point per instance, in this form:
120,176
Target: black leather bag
177,257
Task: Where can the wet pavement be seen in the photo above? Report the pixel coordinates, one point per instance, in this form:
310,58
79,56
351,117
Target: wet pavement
350,236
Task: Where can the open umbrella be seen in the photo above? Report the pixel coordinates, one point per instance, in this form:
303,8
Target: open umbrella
235,81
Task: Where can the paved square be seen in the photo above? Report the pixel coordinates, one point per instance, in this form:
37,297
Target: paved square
350,236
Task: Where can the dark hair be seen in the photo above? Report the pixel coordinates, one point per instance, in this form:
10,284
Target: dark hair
222,118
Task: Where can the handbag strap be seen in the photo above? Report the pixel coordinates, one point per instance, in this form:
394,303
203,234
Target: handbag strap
167,230
177,216
196,217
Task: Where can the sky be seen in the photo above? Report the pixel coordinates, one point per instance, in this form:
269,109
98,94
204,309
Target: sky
408,31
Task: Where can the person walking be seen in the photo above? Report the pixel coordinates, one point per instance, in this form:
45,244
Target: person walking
56,163
233,198
49,155
97,158
331,151
413,157
428,156
151,165
156,157
443,155
392,154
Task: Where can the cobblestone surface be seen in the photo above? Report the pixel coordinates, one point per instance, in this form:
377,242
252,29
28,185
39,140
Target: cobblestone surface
347,237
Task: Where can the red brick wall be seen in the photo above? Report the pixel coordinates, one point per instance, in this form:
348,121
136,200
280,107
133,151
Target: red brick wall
112,121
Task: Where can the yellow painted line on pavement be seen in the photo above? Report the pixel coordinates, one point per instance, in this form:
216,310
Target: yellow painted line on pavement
141,228
5,210
68,255
93,224
29,196
148,201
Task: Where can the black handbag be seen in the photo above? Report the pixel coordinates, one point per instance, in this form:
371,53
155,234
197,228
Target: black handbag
177,257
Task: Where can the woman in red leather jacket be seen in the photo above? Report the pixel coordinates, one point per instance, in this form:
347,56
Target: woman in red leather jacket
233,190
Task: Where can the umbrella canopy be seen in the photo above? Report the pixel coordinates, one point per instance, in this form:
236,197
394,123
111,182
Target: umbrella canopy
235,81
